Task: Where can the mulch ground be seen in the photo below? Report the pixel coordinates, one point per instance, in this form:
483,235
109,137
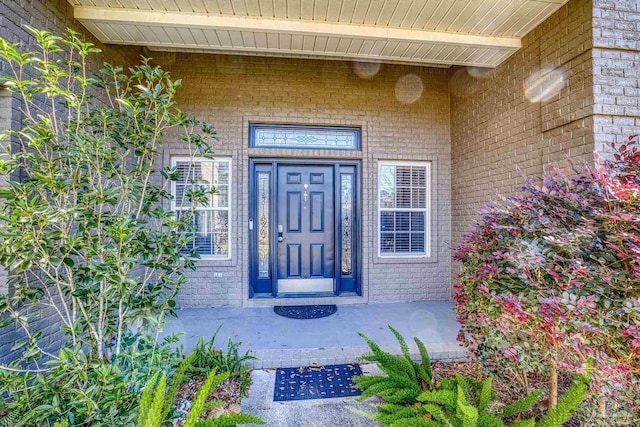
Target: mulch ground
506,392
227,393
229,396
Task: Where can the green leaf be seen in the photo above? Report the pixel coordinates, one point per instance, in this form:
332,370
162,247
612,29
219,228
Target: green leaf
486,395
465,412
567,404
521,405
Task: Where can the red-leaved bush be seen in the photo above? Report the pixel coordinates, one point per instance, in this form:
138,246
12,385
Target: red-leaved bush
550,282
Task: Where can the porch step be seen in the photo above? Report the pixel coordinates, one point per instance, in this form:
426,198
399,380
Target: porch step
287,358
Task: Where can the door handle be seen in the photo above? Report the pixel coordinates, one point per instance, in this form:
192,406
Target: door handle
280,232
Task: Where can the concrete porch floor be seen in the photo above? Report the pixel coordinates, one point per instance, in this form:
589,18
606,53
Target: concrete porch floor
281,342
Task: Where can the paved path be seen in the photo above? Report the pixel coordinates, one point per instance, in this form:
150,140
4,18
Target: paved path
335,412
281,342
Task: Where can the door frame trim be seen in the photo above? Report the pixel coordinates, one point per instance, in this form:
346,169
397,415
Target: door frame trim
357,225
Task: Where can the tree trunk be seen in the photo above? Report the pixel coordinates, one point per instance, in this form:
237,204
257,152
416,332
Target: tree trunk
523,380
553,383
602,407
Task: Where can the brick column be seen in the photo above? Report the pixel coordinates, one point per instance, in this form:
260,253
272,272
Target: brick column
616,70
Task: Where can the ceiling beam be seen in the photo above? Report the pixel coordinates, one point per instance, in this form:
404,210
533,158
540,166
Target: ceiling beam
282,26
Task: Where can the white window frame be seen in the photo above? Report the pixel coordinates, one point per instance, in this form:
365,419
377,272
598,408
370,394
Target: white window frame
426,210
228,160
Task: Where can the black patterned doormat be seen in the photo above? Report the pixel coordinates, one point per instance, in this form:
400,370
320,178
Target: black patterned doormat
316,382
305,311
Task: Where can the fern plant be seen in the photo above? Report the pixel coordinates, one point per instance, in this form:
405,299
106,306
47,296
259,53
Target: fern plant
405,379
156,402
413,399
206,356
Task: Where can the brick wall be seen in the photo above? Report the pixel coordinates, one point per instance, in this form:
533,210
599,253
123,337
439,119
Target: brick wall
499,136
616,70
480,130
231,91
54,16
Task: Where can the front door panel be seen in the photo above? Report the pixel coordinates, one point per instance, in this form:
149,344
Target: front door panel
305,229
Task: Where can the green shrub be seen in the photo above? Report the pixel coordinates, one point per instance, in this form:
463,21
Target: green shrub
206,356
155,403
73,389
143,356
414,399
405,379
85,232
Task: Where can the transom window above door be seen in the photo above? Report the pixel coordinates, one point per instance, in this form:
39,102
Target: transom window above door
404,200
210,178
304,137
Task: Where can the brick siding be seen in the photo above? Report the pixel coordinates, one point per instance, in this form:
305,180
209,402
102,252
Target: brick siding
231,91
499,136
482,133
616,65
55,16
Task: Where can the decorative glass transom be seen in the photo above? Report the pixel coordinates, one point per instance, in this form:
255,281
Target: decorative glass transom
309,137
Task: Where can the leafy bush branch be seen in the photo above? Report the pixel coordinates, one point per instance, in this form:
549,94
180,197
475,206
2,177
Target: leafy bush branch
86,233
85,230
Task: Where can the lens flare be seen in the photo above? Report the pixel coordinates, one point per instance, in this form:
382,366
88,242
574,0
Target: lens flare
366,70
462,85
480,72
544,84
409,88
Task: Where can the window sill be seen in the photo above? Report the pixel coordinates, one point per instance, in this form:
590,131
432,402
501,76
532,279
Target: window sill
415,259
218,262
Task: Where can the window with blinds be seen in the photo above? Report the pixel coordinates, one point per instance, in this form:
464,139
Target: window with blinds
404,201
211,219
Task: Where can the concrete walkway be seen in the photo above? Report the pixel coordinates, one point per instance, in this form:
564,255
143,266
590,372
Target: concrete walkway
335,412
281,342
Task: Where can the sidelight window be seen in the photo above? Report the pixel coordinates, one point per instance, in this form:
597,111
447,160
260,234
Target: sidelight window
404,203
211,180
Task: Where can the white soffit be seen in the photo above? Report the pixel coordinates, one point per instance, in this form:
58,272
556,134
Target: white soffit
423,32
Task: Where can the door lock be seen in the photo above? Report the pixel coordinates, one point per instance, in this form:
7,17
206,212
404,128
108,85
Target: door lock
280,232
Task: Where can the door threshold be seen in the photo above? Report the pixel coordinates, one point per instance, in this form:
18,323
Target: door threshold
306,295
305,286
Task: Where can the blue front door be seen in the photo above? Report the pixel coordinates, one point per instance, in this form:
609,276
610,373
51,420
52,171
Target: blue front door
305,229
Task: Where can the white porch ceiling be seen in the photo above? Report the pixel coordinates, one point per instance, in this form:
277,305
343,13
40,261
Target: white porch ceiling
430,32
